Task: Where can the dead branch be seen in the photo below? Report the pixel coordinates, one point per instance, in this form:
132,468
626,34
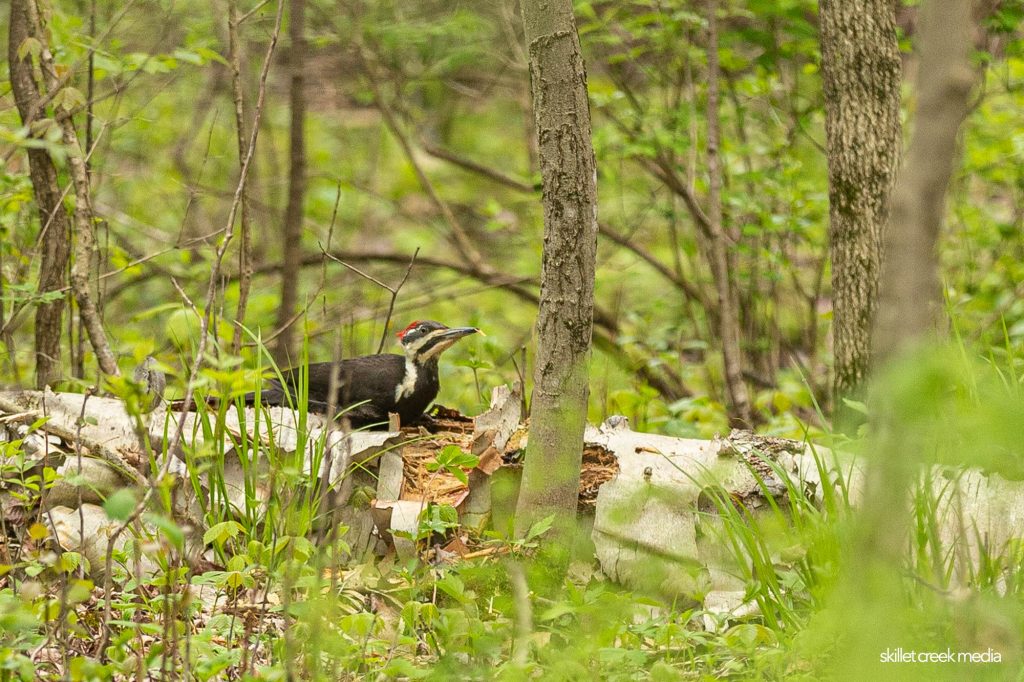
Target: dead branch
97,449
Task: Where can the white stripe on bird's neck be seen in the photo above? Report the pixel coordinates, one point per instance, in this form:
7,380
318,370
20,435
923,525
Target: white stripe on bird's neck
408,384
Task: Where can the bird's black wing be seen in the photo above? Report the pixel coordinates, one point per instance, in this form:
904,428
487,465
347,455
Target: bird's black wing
366,386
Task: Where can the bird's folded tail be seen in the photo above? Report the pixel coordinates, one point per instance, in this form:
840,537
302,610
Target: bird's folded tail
270,395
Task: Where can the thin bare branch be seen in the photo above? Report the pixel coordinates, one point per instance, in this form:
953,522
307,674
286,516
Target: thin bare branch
492,174
729,323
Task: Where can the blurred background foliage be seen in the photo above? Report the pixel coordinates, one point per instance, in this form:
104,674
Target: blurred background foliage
454,75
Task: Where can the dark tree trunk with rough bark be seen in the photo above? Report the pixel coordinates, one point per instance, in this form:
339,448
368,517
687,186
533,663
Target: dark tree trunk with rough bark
565,316
55,245
291,246
861,74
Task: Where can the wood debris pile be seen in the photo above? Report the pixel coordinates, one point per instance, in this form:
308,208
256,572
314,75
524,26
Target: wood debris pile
599,467
421,479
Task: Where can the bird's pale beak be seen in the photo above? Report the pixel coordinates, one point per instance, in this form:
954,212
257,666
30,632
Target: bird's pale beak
458,332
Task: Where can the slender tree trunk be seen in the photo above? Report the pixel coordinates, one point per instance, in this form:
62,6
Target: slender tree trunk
245,249
910,306
861,75
53,220
292,232
83,217
722,265
909,303
565,315
55,245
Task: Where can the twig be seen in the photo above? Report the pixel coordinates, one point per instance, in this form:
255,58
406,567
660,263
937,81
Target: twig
677,281
393,290
251,12
492,174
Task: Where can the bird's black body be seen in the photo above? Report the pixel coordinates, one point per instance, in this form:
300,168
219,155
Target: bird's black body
371,386
367,388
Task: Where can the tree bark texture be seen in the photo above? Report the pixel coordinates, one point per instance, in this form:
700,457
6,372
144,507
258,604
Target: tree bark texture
721,263
565,315
291,246
55,244
861,74
82,216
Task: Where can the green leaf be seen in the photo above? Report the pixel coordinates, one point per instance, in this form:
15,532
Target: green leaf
856,406
172,531
30,46
237,563
540,527
69,561
120,505
69,99
222,532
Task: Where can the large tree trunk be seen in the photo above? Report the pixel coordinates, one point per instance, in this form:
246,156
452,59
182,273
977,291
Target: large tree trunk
292,232
861,75
565,316
55,244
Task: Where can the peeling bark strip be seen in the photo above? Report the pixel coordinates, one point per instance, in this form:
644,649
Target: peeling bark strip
565,316
53,218
861,75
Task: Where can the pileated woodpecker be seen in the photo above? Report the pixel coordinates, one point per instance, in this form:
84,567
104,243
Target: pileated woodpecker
371,386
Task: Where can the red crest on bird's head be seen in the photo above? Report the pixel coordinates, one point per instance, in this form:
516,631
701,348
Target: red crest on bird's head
407,329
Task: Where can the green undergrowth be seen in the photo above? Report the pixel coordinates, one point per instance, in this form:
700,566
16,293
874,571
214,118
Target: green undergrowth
276,592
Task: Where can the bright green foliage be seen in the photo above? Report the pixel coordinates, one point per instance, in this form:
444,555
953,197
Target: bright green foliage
454,74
